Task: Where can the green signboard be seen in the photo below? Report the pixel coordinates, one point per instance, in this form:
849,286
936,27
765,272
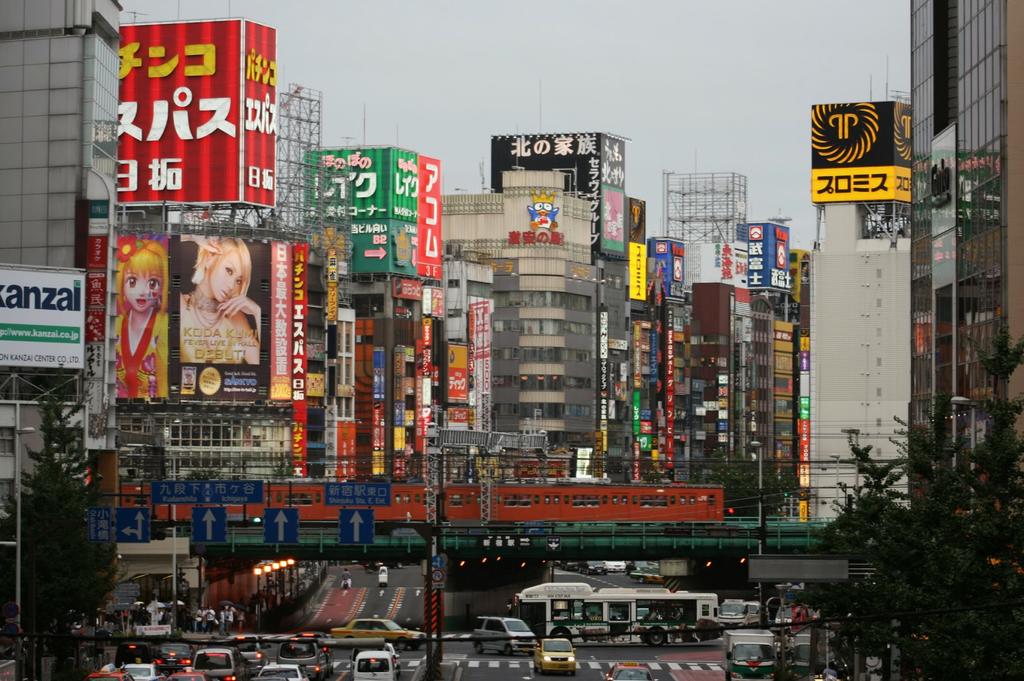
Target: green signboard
805,407
383,246
645,441
636,412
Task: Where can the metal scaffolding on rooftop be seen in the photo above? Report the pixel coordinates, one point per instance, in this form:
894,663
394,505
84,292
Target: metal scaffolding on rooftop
704,207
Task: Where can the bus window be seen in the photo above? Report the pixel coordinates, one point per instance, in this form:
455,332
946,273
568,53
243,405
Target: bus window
705,610
560,611
592,612
618,612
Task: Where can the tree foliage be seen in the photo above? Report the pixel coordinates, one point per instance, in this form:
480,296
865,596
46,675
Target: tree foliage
739,478
952,545
64,576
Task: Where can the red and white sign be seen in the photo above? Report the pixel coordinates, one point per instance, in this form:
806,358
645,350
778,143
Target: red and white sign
756,233
429,250
96,288
346,450
280,321
197,119
300,256
480,361
406,289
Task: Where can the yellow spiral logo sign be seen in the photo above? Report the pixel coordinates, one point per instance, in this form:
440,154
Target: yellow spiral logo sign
843,133
902,130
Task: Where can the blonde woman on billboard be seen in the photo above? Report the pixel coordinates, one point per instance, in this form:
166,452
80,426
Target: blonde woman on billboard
220,324
141,348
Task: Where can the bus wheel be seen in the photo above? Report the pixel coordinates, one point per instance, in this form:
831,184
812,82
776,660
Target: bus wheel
656,637
561,632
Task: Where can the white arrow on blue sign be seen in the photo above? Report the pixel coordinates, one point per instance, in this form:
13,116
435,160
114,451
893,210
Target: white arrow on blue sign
281,526
355,526
132,525
209,524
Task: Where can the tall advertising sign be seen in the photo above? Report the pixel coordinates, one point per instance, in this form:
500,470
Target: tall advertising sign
480,335
281,322
458,373
385,205
669,266
428,243
224,295
860,152
42,318
603,379
197,119
768,257
598,162
670,385
637,271
141,330
300,308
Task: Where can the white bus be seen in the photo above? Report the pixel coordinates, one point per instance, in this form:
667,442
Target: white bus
623,615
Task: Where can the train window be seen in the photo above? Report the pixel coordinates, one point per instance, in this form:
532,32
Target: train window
547,499
455,500
318,497
407,498
634,501
556,498
278,497
693,500
623,500
711,499
566,498
615,499
417,498
398,498
650,501
671,499
604,500
536,499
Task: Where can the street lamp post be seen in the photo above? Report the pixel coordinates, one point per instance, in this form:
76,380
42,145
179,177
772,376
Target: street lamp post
835,469
755,446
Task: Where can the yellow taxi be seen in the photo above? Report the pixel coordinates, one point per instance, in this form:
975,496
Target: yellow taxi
554,655
381,628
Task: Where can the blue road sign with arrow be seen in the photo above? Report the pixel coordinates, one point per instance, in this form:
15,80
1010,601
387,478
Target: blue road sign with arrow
209,525
281,526
132,525
355,526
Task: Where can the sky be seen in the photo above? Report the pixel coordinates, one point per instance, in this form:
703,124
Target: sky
708,86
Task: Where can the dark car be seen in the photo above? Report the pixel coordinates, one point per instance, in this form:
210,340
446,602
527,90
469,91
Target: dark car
256,651
173,657
595,567
134,652
222,664
311,657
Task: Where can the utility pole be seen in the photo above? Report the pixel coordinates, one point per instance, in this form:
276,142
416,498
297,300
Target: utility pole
762,528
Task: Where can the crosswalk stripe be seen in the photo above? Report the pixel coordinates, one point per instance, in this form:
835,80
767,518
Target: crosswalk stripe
493,664
594,665
673,666
415,663
474,663
654,666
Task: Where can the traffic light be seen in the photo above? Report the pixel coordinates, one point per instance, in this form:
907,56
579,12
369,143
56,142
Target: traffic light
730,511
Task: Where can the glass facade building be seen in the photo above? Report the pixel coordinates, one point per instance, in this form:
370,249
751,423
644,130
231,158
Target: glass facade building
960,255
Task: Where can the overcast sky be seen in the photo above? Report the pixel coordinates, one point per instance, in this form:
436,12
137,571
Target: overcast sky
711,86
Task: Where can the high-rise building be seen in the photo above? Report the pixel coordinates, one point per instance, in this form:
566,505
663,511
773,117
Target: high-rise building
966,255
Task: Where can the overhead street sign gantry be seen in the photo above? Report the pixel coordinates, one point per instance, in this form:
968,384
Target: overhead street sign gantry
209,524
355,526
281,526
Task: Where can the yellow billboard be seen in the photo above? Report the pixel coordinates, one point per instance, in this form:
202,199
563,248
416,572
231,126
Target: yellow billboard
637,271
855,185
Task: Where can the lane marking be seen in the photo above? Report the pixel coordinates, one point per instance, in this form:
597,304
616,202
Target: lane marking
474,663
674,666
654,666
493,664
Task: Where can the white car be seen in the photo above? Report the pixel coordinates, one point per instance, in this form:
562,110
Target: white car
142,672
374,665
395,661
615,565
292,672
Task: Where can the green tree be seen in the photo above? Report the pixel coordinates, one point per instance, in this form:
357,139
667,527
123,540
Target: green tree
64,576
739,478
954,545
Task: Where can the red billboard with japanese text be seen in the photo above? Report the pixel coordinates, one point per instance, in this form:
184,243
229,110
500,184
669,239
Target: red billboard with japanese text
197,113
428,244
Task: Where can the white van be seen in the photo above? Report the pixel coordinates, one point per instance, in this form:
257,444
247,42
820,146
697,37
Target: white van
382,577
374,665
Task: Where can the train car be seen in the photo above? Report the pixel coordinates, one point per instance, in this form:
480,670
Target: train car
526,501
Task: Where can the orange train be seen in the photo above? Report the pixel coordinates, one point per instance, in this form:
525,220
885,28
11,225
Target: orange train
510,502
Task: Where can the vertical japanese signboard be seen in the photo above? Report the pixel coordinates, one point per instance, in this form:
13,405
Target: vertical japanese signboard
280,322
197,113
603,380
768,257
458,373
670,383
637,271
429,245
480,336
97,254
300,307
597,163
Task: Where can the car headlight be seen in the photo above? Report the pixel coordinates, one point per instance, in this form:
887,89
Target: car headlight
547,658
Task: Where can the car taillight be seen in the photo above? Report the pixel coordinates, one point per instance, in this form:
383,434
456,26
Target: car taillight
158,661
259,655
229,678
186,661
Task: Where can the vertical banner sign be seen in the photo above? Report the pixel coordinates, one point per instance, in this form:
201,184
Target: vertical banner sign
280,322
346,450
480,311
300,307
471,358
637,271
425,372
768,257
458,373
96,288
603,381
140,330
332,285
637,356
378,374
670,385
429,244
197,119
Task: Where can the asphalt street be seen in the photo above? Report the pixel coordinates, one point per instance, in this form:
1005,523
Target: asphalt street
402,601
